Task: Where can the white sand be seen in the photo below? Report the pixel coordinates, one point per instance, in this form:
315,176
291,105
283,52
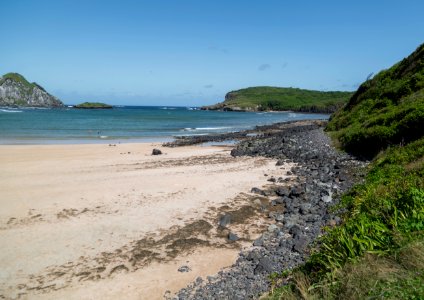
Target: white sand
73,208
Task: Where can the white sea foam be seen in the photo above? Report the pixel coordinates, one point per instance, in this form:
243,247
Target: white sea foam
212,128
204,128
10,111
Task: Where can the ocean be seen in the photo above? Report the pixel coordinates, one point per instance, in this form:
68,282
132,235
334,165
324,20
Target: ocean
127,123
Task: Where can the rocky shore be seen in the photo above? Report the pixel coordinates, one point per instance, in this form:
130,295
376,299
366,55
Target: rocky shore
301,204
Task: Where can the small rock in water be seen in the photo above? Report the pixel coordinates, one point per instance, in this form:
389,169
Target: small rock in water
184,269
156,152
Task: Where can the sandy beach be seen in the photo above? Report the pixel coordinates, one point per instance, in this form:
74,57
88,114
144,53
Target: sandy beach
106,221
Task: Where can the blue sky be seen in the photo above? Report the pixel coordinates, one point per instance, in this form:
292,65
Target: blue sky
193,52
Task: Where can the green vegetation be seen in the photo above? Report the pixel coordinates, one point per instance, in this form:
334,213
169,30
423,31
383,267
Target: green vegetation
15,77
93,105
378,250
386,110
276,98
20,79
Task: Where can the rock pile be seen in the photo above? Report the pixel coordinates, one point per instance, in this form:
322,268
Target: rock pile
303,200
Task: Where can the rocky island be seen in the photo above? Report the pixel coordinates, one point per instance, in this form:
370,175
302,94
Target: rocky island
15,90
93,105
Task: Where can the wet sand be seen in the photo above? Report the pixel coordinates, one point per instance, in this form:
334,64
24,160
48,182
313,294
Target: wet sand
102,222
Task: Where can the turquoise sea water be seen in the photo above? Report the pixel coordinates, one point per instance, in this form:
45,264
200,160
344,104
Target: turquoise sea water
126,124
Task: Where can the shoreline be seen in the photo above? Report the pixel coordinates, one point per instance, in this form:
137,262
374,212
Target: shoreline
241,197
98,141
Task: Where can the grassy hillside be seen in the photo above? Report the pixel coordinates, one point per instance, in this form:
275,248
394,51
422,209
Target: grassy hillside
19,78
276,98
386,110
378,250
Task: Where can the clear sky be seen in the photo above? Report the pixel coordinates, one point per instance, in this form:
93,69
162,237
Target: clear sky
193,52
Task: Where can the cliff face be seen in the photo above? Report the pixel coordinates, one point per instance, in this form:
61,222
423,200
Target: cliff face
15,90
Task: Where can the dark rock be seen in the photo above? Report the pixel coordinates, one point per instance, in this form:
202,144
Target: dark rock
272,228
232,237
300,244
312,218
279,201
282,191
286,243
280,162
279,217
272,179
291,220
254,256
259,241
156,152
258,191
184,269
305,208
224,220
295,230
296,191
264,265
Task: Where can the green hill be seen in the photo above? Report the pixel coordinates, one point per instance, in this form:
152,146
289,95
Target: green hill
386,110
265,98
378,250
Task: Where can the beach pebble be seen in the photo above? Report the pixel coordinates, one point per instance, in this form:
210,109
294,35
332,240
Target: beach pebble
264,265
232,237
258,191
272,228
224,220
156,152
184,269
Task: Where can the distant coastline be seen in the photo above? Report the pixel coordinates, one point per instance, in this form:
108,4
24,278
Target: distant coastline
266,98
